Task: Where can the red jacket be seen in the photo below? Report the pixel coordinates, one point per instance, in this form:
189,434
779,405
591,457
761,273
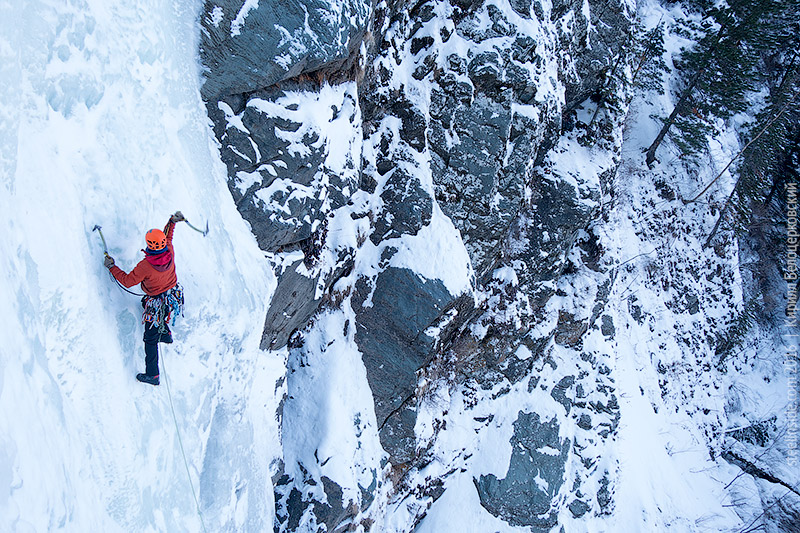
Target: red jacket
156,273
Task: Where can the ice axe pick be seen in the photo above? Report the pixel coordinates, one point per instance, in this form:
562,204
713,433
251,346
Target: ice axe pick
100,231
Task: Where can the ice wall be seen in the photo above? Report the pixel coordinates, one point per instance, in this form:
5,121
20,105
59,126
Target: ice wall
102,123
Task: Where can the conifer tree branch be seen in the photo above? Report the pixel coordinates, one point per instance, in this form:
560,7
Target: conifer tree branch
704,62
754,139
789,71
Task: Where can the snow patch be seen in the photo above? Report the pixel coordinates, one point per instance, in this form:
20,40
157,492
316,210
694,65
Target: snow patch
239,21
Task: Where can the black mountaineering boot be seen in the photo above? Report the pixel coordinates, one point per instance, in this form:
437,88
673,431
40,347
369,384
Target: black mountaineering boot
165,337
144,378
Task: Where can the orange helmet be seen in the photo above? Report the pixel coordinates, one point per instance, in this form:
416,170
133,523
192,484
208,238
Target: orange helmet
156,240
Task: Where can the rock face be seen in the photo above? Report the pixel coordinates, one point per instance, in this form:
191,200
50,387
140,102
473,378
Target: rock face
415,119
390,332
293,159
469,176
482,145
545,230
535,475
247,45
328,513
289,167
292,304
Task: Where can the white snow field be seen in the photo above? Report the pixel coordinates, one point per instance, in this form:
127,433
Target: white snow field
101,122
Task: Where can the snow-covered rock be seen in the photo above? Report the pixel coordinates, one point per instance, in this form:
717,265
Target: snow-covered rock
457,107
249,45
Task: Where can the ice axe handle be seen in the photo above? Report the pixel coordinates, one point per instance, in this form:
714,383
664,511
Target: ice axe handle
100,231
197,230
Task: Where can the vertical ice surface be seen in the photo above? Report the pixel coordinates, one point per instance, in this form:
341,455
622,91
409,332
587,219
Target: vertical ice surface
102,123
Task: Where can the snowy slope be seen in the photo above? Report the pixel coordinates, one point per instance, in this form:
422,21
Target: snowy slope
101,123
662,299
673,301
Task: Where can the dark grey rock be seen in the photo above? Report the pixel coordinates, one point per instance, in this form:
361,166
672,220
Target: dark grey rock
248,50
420,43
601,300
570,330
390,332
295,300
483,158
560,8
282,194
559,392
523,7
520,80
368,493
607,326
545,230
483,194
407,207
468,179
295,507
515,369
478,32
391,318
692,303
293,501
595,52
604,495
580,392
334,511
486,71
636,310
397,434
578,508
482,150
291,306
413,123
518,498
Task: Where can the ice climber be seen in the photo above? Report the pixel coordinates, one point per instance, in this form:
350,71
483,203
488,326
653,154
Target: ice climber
163,298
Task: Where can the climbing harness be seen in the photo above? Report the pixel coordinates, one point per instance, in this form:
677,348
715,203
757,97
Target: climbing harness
164,308
180,442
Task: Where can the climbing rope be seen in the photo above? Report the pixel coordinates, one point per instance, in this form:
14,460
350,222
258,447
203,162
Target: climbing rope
99,230
180,442
121,286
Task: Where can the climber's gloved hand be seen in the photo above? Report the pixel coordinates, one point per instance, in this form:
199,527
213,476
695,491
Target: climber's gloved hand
108,262
177,217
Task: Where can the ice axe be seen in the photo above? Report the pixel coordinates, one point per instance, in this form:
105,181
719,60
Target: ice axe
105,252
100,231
197,230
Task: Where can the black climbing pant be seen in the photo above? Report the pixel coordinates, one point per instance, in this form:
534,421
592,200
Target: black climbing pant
151,336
